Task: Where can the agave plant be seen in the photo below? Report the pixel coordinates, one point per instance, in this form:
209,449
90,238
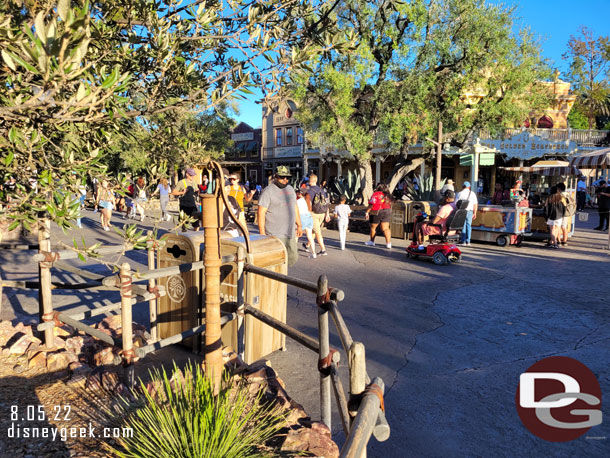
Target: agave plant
182,418
426,188
349,187
295,180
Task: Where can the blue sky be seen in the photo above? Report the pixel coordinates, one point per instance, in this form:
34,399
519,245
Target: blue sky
553,21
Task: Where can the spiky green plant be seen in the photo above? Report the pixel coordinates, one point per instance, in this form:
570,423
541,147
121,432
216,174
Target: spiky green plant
350,188
181,418
426,188
295,180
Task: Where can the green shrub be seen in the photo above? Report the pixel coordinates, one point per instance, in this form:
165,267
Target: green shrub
182,418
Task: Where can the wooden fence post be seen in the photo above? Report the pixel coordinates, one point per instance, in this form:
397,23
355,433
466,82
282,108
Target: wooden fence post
212,219
362,427
45,297
324,362
357,378
127,325
152,304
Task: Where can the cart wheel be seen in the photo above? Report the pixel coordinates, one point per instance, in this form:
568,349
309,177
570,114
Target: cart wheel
502,241
519,240
408,255
439,258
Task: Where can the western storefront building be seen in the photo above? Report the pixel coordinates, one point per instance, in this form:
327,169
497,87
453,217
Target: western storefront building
244,157
283,138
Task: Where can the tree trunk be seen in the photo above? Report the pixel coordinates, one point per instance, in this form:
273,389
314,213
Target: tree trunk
366,178
401,170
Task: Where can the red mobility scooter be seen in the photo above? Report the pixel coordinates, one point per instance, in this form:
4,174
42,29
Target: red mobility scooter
445,251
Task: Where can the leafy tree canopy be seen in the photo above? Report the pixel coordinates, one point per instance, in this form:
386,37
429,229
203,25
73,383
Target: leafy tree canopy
414,63
77,74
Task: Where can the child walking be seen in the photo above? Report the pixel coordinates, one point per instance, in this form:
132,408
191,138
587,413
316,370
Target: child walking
342,211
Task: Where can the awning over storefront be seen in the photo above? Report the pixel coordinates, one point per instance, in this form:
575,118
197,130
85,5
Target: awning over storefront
545,171
599,159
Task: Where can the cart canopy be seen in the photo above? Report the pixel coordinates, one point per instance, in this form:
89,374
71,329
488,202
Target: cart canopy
545,171
599,159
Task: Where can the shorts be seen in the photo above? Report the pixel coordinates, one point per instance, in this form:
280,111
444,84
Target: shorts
307,221
383,216
318,219
292,253
555,222
106,205
566,221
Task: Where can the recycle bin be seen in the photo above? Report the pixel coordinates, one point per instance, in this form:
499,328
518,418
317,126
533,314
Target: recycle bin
183,307
398,221
403,215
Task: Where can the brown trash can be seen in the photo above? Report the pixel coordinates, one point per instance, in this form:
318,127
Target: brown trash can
183,306
403,216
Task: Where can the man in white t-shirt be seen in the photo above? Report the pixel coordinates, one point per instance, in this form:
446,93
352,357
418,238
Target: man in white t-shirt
471,210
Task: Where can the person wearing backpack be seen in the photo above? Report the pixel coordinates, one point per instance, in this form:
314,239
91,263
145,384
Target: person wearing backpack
188,190
570,211
320,206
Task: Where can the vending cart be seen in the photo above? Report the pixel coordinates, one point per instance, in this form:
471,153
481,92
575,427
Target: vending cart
504,225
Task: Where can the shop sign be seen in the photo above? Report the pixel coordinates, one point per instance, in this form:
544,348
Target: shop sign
484,159
243,136
287,151
527,146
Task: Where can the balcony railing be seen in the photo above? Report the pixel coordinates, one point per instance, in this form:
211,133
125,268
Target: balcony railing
580,136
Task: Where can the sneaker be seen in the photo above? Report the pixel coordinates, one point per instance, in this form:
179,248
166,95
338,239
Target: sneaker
169,217
598,228
555,246
106,228
369,243
313,255
305,245
342,248
79,225
388,245
467,243
323,253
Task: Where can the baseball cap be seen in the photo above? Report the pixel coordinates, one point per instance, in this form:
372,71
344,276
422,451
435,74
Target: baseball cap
191,172
466,184
449,181
283,171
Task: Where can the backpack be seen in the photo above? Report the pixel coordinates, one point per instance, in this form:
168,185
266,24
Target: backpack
320,202
570,206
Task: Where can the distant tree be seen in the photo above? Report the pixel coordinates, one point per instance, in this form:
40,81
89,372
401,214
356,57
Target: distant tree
589,58
412,65
577,120
178,138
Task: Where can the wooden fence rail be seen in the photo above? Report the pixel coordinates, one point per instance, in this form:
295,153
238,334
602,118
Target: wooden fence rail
365,406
